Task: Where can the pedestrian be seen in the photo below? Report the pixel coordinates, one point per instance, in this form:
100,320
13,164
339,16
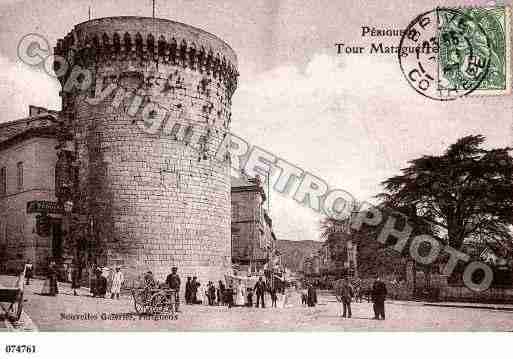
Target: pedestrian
29,268
229,296
312,296
195,284
68,270
207,294
173,282
345,295
97,284
199,295
304,297
92,278
194,290
274,296
107,274
117,281
212,293
220,293
250,298
260,291
188,291
101,284
76,275
52,277
379,293
239,294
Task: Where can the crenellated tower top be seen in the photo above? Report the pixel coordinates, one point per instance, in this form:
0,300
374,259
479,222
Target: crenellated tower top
145,40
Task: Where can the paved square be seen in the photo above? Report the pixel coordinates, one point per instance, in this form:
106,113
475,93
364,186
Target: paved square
84,313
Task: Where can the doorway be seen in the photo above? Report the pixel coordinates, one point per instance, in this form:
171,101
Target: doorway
57,247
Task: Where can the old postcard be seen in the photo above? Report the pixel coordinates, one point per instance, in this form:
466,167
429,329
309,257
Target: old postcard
269,165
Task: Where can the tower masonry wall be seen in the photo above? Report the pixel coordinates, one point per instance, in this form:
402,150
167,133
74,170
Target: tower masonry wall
158,197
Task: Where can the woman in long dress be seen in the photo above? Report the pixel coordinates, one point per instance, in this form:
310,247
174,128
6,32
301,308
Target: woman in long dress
53,290
76,276
117,280
239,296
199,294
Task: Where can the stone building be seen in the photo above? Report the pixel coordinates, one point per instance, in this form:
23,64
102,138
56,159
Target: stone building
253,238
30,227
157,195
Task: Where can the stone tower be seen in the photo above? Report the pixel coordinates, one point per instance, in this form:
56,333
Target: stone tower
156,195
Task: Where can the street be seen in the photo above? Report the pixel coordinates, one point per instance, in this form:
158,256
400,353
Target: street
84,313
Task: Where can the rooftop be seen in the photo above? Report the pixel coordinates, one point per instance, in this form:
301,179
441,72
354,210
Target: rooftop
40,120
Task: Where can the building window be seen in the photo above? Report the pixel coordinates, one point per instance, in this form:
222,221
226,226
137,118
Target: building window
3,181
3,230
19,167
236,244
235,211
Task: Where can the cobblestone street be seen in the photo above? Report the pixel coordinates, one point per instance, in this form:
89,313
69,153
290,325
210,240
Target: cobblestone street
47,314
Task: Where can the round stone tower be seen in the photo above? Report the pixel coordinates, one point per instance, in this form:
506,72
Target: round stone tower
148,103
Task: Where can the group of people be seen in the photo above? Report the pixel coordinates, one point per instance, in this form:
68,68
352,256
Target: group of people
50,286
191,291
99,281
345,292
309,295
235,294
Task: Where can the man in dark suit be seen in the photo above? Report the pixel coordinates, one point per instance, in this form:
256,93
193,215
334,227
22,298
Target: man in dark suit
188,291
379,293
260,291
220,293
346,295
312,296
173,282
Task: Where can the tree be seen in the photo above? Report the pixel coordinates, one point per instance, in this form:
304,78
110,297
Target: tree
377,258
465,192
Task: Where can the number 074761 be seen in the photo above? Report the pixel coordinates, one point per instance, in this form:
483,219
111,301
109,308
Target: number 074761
14,349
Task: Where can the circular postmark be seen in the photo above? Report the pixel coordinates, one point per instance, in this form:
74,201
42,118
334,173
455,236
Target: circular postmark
444,54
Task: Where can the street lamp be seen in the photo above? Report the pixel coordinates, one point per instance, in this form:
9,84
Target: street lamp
68,209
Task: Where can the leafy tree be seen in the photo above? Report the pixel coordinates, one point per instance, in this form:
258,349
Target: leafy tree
465,192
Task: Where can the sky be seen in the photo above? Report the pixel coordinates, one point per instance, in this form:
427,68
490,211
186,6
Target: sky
352,120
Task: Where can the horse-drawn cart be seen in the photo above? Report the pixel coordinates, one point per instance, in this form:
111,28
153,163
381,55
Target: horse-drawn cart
11,299
151,301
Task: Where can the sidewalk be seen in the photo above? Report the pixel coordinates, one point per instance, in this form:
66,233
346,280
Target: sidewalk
505,307
466,305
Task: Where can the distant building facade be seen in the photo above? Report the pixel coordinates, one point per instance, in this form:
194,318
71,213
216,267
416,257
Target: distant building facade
253,238
30,222
338,257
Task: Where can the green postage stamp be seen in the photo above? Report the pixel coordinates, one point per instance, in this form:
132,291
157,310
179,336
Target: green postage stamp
482,60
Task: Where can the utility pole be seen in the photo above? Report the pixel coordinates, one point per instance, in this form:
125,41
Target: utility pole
268,194
153,3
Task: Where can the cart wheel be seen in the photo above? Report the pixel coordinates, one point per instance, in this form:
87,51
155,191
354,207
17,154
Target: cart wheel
159,303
